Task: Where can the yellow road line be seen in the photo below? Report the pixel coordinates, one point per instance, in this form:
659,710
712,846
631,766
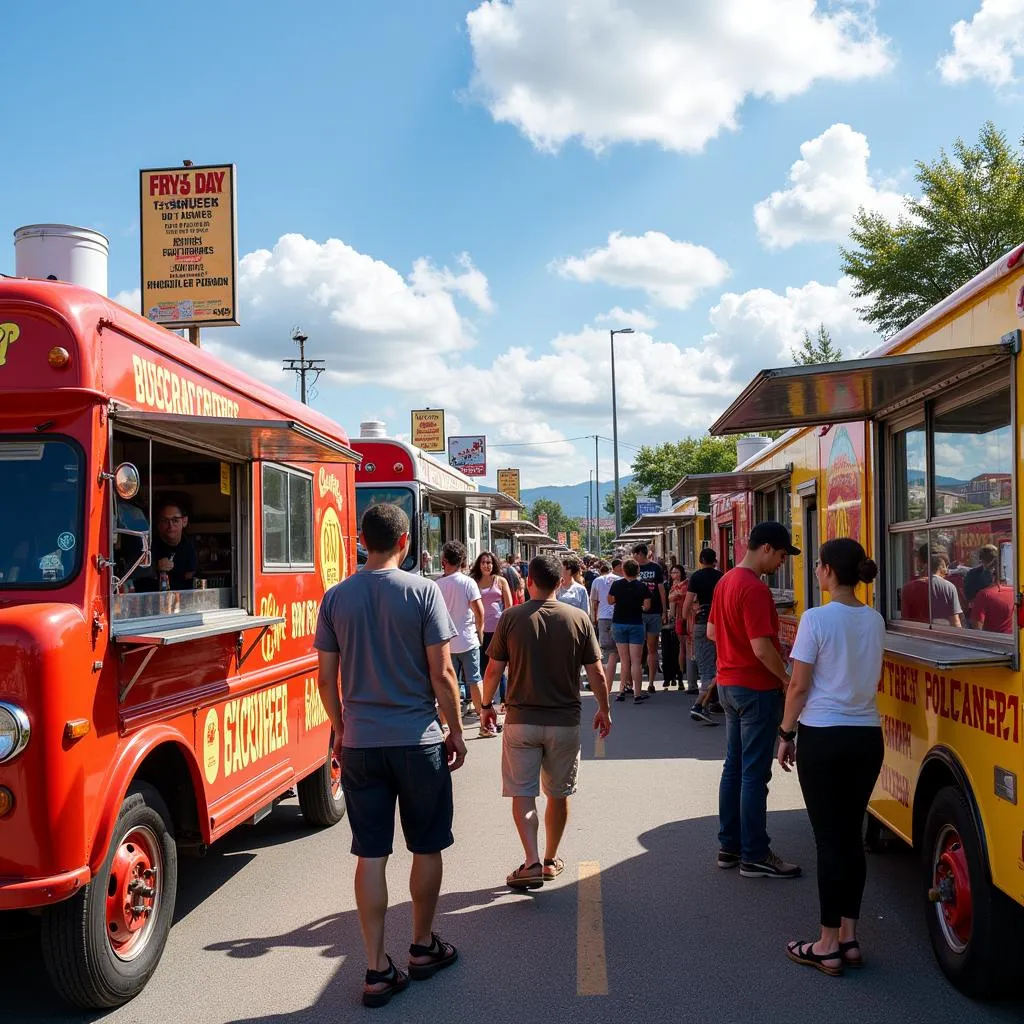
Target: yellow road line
591,965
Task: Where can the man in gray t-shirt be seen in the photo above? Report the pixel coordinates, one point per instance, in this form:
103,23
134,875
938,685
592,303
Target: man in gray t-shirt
388,632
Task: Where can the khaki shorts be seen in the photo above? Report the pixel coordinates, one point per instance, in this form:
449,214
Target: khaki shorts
535,754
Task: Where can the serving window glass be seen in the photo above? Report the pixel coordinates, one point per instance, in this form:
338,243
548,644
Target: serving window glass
950,533
287,519
774,504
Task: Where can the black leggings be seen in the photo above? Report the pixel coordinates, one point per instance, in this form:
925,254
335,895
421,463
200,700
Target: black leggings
838,767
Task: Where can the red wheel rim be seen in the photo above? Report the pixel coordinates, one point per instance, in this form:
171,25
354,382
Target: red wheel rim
951,879
335,777
134,888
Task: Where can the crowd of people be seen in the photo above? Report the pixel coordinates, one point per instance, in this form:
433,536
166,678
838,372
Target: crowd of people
523,641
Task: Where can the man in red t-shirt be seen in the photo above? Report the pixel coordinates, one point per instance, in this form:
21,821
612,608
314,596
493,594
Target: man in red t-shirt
751,676
994,609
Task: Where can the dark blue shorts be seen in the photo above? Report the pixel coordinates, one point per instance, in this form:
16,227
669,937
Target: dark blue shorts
418,778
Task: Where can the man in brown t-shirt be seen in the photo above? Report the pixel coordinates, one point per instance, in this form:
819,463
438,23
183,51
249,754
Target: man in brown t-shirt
544,643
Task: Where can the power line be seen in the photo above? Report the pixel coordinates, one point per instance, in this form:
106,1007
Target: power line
533,444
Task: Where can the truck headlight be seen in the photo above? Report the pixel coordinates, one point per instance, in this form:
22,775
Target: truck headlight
14,731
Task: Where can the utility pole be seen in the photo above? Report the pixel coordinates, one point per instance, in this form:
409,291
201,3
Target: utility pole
597,492
302,365
590,521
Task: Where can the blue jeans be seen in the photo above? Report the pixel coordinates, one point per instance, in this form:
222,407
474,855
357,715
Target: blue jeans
752,719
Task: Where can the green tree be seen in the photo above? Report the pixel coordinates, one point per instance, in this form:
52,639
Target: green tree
628,494
970,212
557,519
660,468
819,349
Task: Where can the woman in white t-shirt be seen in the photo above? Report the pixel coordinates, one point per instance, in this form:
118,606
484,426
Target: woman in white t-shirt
837,662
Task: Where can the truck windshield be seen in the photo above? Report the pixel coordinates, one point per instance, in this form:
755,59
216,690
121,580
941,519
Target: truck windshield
400,496
40,513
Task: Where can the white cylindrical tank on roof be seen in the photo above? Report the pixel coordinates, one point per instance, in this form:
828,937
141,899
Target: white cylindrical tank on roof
62,252
748,447
372,428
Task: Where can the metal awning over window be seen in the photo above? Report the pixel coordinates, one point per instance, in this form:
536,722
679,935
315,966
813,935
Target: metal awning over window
484,501
233,439
726,483
517,527
856,389
659,521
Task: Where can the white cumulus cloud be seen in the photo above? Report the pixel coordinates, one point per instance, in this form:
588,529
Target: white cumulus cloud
827,185
369,322
987,46
671,273
619,317
760,328
664,71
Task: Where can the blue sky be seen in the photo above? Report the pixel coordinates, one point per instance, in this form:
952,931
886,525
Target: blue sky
472,161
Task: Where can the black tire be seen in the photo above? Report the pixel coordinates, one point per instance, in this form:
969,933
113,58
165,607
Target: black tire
79,953
321,799
980,956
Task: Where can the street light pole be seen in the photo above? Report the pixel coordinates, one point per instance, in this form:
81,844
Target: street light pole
590,521
615,433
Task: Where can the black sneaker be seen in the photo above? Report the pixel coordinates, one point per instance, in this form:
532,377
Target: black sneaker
728,860
621,696
692,690
715,708
772,866
699,713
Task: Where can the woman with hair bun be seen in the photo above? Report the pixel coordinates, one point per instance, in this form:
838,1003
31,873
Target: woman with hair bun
838,750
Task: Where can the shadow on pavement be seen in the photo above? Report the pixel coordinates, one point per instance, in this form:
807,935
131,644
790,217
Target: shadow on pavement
658,729
685,942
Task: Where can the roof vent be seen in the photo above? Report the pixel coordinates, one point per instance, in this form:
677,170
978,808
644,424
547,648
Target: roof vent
372,428
748,447
62,252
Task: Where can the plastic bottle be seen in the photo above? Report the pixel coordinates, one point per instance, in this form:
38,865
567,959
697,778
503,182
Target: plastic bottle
165,581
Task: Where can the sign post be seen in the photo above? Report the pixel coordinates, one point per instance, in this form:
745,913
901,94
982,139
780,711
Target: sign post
428,429
468,454
188,247
508,482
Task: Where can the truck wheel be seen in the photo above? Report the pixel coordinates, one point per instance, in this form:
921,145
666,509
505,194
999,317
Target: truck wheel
321,799
970,923
102,945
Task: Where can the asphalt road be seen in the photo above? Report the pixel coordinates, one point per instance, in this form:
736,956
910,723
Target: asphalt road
266,927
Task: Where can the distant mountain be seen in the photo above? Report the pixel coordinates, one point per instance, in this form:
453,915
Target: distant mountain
916,476
572,497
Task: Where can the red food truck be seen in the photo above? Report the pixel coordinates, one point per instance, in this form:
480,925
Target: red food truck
442,504
148,706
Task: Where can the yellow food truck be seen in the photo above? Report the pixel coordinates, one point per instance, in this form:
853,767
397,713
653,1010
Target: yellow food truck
915,451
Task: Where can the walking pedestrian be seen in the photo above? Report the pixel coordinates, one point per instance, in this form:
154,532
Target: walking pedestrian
751,676
465,606
698,602
570,588
544,644
515,582
497,598
388,738
601,613
653,575
590,572
837,662
629,599
673,636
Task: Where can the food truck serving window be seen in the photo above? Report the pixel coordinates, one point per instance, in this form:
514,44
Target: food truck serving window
41,539
949,516
287,519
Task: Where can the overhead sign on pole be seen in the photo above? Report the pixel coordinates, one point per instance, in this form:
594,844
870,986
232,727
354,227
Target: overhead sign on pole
508,482
647,506
188,246
561,537
468,454
542,522
574,540
428,429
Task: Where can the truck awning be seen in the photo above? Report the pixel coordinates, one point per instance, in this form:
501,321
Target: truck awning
518,527
234,439
853,390
727,483
485,501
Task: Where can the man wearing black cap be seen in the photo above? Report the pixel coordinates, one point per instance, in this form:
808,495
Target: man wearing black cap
744,626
